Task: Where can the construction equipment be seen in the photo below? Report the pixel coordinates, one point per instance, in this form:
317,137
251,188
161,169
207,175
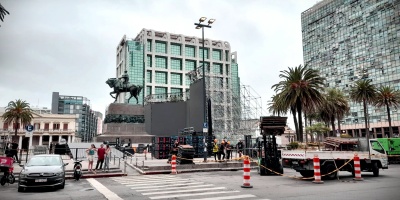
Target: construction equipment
268,154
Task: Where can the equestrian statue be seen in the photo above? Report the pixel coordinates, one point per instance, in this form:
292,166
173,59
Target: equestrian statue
122,85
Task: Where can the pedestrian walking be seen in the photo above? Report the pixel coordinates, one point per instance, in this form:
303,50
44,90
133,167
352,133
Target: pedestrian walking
14,150
215,149
107,158
228,150
222,150
90,154
240,147
100,156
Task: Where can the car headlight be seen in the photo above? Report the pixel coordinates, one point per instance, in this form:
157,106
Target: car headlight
23,175
60,174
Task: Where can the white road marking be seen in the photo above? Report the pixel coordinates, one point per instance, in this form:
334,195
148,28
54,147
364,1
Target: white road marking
143,178
229,197
103,190
150,181
188,195
163,186
156,183
184,190
168,187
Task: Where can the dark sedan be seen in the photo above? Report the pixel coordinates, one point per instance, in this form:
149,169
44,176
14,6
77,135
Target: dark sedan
46,170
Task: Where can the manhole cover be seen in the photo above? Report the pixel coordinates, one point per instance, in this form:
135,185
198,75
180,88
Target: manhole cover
87,189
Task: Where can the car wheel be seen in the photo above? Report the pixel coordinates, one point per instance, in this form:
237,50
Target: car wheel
328,169
3,180
11,179
375,169
62,185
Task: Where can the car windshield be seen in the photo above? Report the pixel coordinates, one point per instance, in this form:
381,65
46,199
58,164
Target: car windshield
44,161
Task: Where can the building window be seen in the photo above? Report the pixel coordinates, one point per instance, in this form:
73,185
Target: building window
161,78
5,126
176,79
56,126
148,45
65,127
36,126
205,53
217,55
148,64
148,90
190,65
161,47
148,76
161,62
217,69
187,80
176,64
190,51
226,55
161,90
46,126
175,49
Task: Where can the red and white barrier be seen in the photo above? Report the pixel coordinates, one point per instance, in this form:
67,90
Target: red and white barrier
317,170
357,168
246,173
173,165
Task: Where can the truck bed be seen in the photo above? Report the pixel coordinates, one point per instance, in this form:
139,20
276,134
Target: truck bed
298,154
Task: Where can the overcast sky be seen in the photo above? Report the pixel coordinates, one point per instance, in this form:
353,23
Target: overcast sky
70,46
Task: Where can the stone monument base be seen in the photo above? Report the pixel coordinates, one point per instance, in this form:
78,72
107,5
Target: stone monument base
124,121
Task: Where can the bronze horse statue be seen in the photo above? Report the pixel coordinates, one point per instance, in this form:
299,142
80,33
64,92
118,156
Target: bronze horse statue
133,90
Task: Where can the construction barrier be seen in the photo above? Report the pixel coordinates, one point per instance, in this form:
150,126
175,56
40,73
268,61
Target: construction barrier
317,170
246,173
173,165
357,168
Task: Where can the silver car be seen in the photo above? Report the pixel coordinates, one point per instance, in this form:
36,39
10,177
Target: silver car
47,170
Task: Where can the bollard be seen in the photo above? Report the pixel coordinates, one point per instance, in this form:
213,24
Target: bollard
357,169
125,166
136,161
173,164
246,173
317,170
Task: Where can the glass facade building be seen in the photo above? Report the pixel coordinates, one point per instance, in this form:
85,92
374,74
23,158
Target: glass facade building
163,65
86,121
348,40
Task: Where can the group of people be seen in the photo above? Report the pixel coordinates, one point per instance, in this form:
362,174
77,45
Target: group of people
224,149
103,156
11,150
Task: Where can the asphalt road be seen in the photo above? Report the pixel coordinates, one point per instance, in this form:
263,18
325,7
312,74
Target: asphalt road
219,185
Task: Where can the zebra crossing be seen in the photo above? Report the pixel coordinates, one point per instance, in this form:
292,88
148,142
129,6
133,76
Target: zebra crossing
174,187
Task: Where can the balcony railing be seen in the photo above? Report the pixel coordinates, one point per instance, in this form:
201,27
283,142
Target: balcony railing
39,130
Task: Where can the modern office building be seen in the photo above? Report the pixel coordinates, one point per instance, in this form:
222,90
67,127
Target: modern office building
348,40
86,122
166,64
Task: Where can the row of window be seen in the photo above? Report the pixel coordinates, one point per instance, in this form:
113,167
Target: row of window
56,126
189,51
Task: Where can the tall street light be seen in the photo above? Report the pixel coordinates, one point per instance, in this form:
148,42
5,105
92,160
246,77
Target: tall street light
201,26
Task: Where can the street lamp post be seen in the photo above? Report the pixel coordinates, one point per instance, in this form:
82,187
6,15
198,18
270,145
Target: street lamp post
202,26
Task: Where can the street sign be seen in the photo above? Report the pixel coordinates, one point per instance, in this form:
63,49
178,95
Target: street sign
28,134
205,125
205,130
29,128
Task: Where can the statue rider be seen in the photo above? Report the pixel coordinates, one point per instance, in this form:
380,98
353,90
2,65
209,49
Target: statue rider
124,80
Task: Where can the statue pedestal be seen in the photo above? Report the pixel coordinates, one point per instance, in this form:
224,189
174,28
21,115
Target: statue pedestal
124,121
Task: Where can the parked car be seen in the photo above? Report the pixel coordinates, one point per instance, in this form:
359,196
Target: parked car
46,170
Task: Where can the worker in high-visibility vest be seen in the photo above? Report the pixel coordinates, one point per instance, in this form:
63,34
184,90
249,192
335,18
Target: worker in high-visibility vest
215,149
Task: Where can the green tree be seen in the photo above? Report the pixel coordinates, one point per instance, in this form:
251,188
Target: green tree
19,112
389,97
364,92
300,89
319,129
335,107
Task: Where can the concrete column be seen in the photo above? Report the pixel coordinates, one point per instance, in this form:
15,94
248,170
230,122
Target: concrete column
20,142
73,138
59,138
40,140
30,142
50,140
69,139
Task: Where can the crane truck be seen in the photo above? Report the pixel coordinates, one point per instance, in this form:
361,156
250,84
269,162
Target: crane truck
337,153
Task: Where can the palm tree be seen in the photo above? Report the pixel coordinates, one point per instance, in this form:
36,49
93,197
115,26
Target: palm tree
3,12
300,88
279,105
364,92
19,112
388,96
319,129
335,107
